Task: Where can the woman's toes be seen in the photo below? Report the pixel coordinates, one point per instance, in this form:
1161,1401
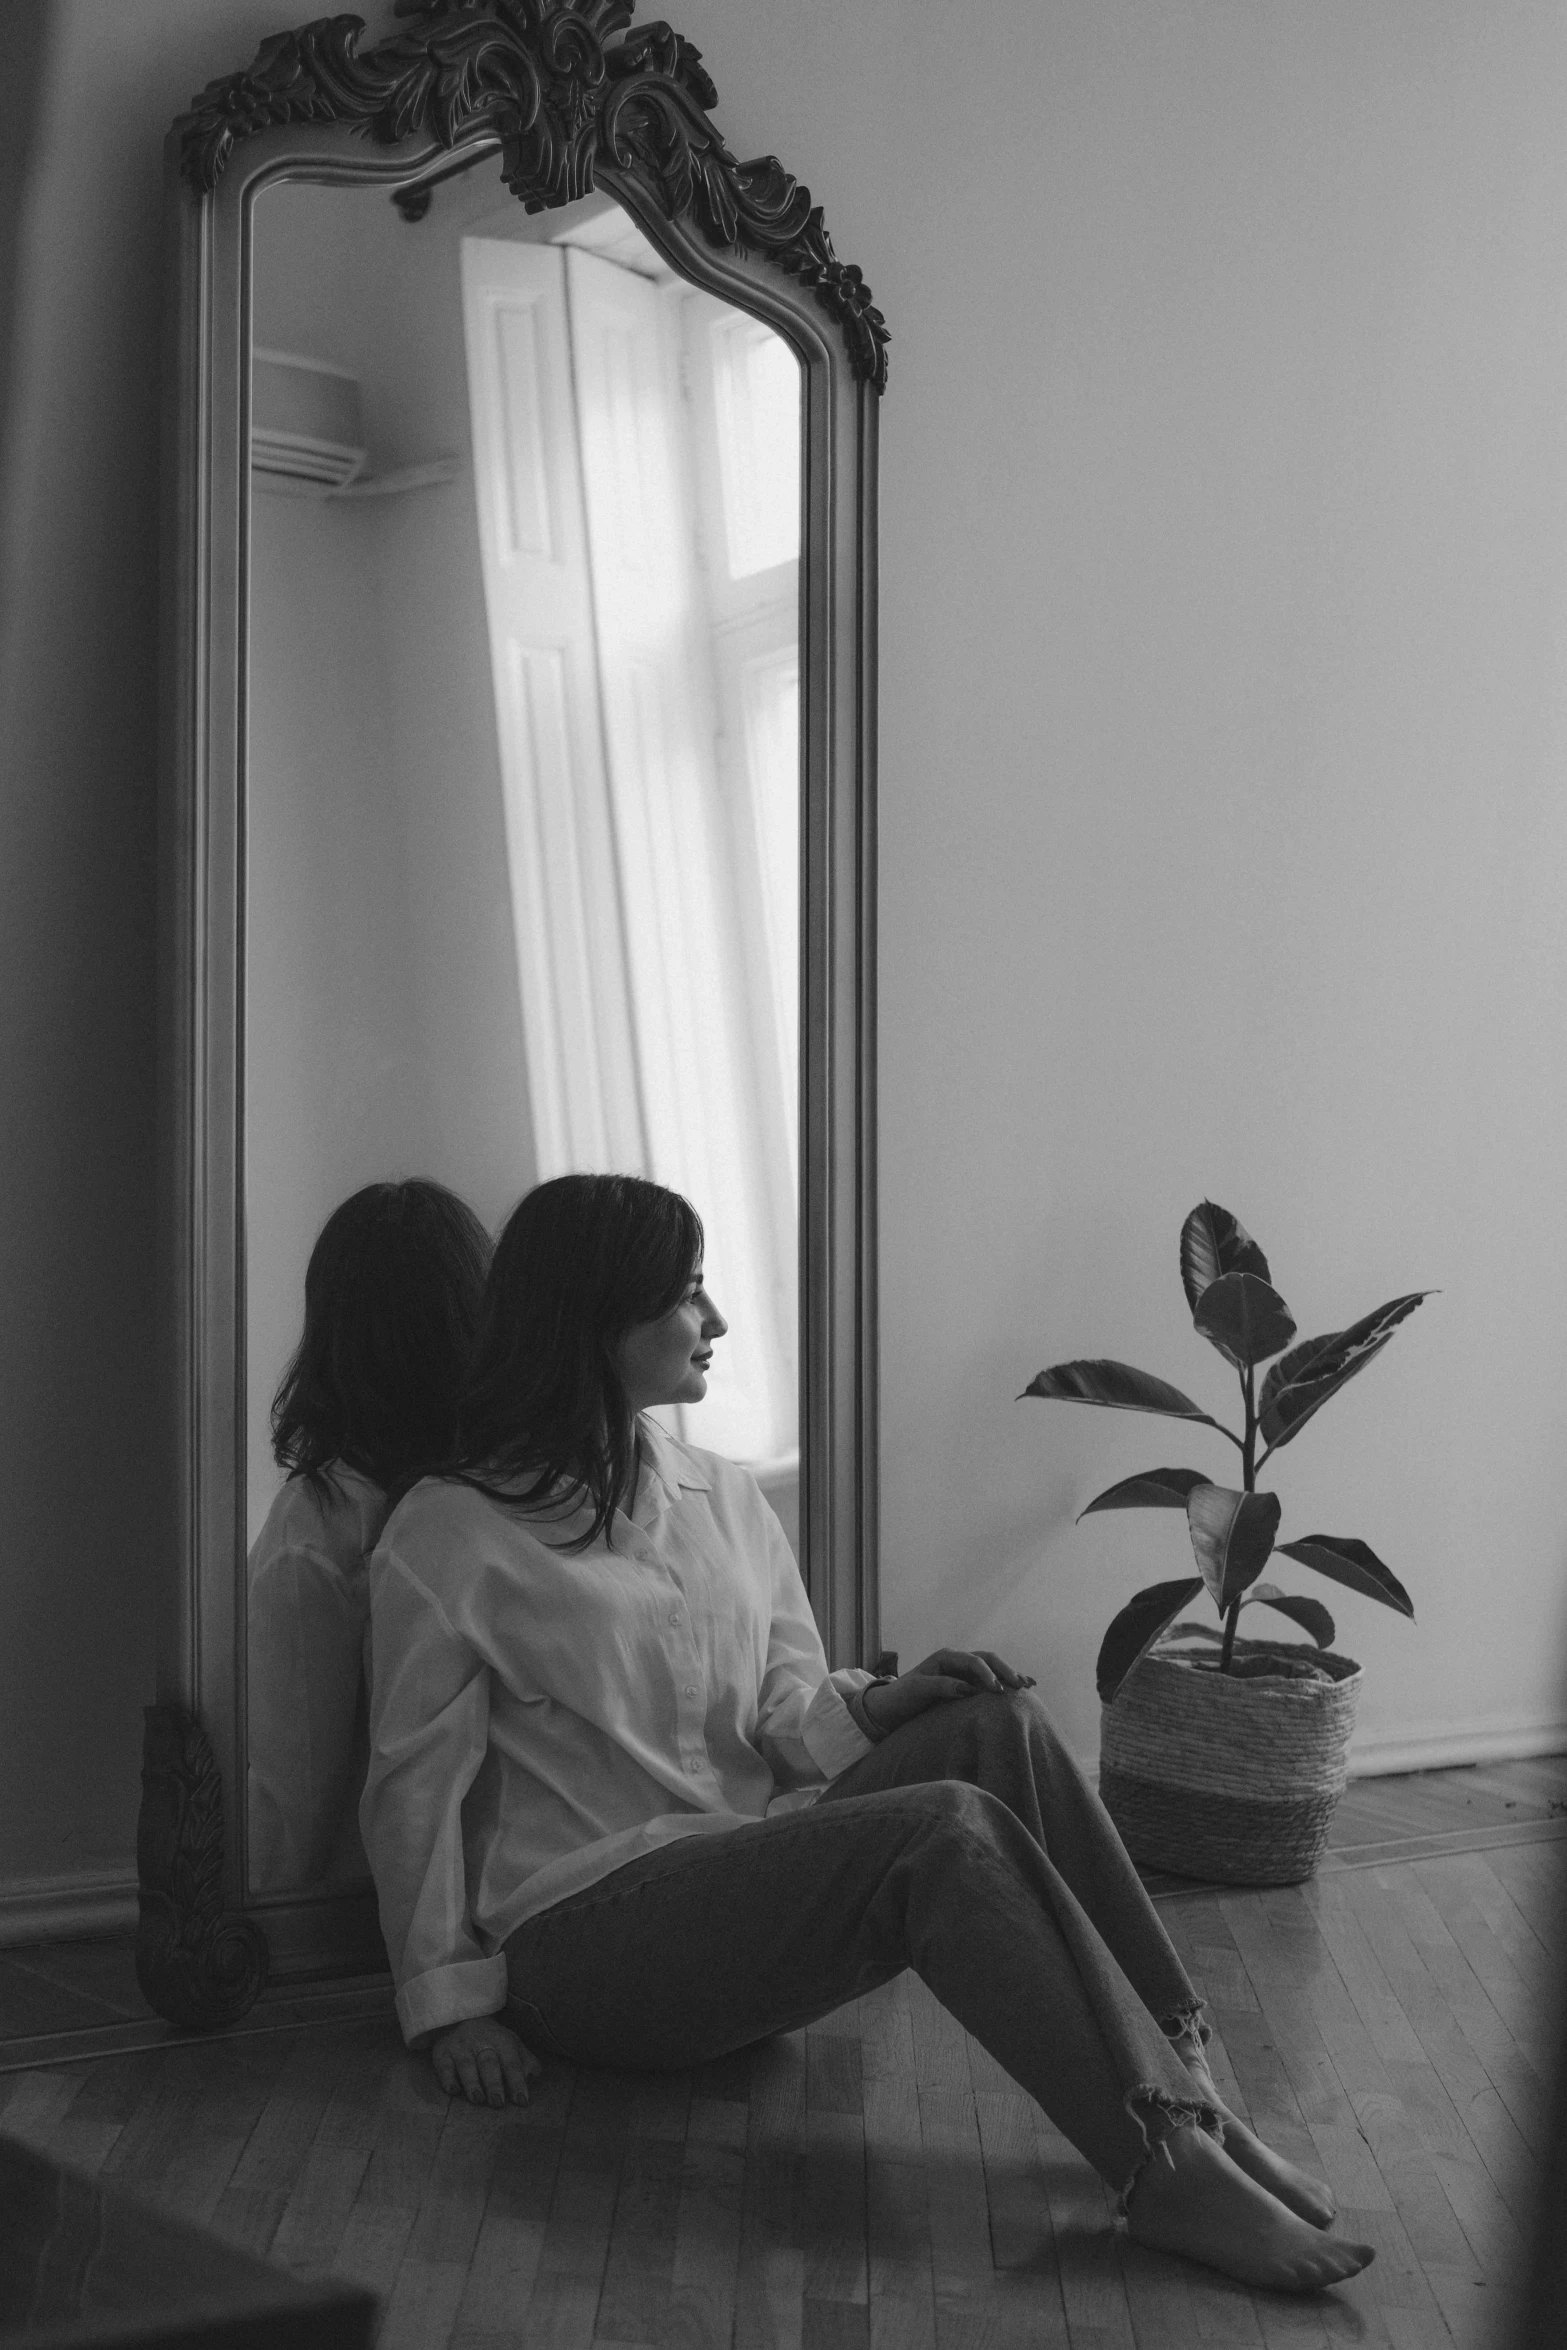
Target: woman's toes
1310,2198
1331,2263
1317,2203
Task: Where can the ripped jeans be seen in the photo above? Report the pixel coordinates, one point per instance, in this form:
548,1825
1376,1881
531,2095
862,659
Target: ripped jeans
968,1846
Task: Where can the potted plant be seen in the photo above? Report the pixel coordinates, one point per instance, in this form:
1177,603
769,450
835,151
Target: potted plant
1224,1757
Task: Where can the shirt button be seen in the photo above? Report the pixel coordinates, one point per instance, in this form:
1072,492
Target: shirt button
691,1691
674,1615
693,1762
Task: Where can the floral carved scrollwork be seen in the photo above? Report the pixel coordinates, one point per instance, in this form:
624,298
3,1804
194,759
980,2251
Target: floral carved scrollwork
563,94
194,1964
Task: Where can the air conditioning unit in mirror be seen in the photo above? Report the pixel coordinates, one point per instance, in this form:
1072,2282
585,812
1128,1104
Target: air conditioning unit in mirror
307,436
306,424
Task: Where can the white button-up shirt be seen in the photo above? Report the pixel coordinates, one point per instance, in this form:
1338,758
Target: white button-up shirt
540,1717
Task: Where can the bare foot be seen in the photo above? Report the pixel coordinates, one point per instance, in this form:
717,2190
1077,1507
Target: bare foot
1312,2199
1297,2190
1203,2206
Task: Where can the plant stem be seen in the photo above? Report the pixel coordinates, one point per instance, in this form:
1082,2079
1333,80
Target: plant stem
1249,1482
1249,1444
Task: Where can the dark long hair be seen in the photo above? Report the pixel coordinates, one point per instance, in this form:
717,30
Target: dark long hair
392,1294
582,1260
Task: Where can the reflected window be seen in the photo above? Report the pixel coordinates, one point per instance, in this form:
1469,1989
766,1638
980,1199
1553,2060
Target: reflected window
756,383
637,473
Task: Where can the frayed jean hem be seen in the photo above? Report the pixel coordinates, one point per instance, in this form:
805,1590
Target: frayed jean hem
1159,2115
1188,2023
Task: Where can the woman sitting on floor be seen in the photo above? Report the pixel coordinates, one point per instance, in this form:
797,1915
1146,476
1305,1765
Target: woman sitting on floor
615,1793
392,1295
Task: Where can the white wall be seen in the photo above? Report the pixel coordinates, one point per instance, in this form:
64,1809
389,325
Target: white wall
1224,844
336,1086
1222,518
385,295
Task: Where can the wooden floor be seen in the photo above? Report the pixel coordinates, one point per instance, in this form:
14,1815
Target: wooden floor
877,2181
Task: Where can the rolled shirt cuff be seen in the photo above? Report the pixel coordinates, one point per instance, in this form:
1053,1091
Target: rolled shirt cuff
446,1995
832,1736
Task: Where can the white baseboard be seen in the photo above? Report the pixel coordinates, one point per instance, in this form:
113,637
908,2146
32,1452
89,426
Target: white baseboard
83,1908
1429,1748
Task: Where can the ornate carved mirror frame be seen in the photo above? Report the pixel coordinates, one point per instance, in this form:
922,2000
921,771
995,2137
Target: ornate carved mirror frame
571,102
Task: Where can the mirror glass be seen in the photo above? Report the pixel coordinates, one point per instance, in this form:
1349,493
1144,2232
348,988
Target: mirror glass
522,810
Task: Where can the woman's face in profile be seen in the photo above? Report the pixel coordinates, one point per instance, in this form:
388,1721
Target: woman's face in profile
666,1361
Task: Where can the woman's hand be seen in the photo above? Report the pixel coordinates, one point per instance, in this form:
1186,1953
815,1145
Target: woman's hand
951,1672
483,2061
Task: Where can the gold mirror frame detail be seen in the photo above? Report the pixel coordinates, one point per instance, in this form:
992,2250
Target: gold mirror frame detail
570,107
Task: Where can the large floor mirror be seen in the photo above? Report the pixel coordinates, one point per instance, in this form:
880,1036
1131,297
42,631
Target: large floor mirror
519,812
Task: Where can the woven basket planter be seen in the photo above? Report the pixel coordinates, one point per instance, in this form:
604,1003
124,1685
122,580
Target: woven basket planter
1208,1774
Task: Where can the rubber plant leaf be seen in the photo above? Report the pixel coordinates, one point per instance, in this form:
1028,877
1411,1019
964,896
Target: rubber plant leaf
1213,1243
1246,1319
1301,1381
1136,1628
1310,1614
1119,1388
1232,1538
1151,1489
1344,1560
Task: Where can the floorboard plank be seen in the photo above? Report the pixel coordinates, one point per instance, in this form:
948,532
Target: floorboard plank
897,2204
1361,1971
1394,2286
423,2307
510,2243
830,2202
249,2208
1016,2192
370,2250
321,2203
1292,2325
1159,2298
1466,1887
955,2191
770,2285
1483,2113
704,2280
634,2302
202,2104
1463,1985
1087,2245
575,2250
372,2246
561,2310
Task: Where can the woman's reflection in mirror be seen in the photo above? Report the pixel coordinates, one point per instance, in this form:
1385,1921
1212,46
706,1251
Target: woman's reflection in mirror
392,1293
620,1813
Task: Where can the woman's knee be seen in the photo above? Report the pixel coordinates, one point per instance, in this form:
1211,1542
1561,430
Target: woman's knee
967,1853
1010,1718
1032,1718
956,1815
